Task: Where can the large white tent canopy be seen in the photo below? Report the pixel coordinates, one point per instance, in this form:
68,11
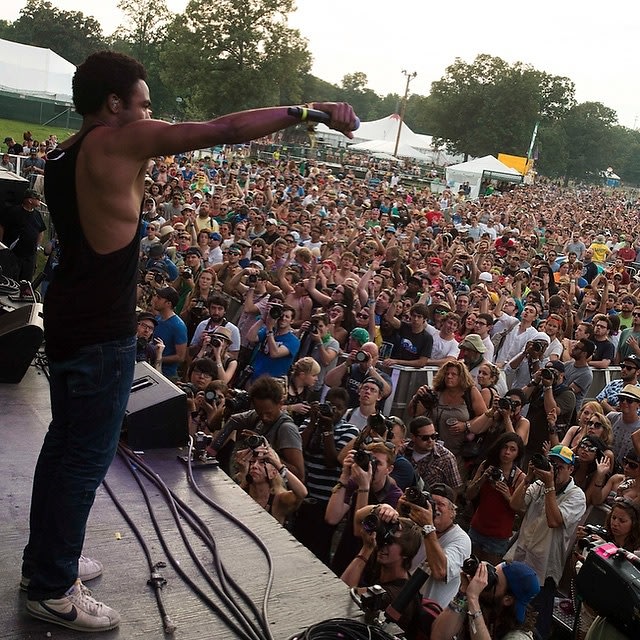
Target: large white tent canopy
473,170
35,71
388,147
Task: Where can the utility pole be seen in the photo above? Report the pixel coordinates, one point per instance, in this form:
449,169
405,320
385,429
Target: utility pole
403,106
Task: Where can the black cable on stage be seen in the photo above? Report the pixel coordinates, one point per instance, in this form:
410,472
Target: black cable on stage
244,528
169,626
246,634
201,529
343,628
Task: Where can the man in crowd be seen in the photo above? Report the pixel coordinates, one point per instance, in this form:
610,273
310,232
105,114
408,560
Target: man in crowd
553,506
22,230
433,462
577,373
278,345
172,330
324,435
608,397
217,305
412,344
625,421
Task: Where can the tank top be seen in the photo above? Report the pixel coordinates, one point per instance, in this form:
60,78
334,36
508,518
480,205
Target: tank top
92,297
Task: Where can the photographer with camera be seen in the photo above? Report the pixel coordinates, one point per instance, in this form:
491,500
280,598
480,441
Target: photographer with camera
217,306
148,348
277,344
520,369
551,403
364,480
268,419
493,603
359,365
265,478
490,490
324,435
215,345
553,505
300,381
389,544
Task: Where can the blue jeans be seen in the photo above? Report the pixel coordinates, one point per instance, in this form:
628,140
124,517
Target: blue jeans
89,394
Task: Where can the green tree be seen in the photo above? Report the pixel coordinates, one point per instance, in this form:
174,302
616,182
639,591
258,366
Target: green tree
234,54
489,106
70,34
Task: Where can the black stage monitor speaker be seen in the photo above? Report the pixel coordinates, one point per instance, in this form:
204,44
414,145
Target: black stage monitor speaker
156,415
21,334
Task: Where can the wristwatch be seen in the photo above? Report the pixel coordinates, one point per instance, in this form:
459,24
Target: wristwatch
428,529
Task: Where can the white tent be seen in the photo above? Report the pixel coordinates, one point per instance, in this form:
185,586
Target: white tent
473,170
35,71
388,147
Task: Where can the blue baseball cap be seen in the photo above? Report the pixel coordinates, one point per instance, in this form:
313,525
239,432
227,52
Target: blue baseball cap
523,584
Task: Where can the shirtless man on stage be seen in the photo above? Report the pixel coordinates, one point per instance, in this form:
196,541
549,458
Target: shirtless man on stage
94,185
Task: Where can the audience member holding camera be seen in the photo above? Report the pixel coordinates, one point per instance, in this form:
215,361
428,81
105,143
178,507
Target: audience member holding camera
553,505
490,490
214,346
454,403
324,435
265,478
148,348
204,403
318,343
493,603
359,365
389,544
300,382
268,419
195,309
277,344
364,480
520,369
551,403
217,306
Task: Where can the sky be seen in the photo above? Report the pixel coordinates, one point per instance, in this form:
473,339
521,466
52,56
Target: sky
588,42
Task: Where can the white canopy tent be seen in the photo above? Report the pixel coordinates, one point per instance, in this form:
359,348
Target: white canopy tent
473,170
388,147
35,71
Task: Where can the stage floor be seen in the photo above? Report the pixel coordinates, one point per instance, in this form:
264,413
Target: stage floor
304,590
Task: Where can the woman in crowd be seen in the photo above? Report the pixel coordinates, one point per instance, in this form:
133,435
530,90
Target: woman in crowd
625,484
505,416
342,322
202,242
622,525
215,346
490,490
454,404
319,344
487,378
591,419
195,305
265,478
591,459
302,379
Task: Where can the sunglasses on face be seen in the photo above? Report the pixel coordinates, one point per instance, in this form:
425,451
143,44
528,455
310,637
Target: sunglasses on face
595,424
426,438
630,463
627,400
588,447
629,366
636,315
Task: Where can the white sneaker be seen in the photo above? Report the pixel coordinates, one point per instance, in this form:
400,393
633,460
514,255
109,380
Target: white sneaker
75,610
88,569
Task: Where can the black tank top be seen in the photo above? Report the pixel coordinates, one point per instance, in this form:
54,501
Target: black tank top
92,297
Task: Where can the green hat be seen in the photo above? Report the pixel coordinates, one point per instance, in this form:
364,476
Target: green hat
360,335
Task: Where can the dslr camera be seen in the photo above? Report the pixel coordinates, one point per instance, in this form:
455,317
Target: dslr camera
470,566
237,401
325,410
429,399
384,530
549,374
253,442
275,311
417,497
362,357
541,462
364,458
505,404
496,475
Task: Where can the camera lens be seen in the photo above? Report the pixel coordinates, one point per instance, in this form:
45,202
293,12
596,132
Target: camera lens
362,356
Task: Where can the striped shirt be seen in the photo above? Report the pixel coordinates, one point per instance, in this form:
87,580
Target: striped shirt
319,478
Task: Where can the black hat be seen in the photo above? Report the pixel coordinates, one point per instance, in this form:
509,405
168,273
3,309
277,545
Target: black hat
444,490
145,315
156,250
193,251
170,294
31,193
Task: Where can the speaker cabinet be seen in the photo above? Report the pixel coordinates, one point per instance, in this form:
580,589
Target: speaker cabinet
21,334
156,415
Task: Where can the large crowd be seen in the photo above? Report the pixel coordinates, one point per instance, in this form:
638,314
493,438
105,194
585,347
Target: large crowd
309,287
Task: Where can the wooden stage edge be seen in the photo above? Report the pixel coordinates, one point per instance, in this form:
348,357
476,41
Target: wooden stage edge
304,590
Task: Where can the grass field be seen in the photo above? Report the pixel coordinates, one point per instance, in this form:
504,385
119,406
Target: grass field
16,129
